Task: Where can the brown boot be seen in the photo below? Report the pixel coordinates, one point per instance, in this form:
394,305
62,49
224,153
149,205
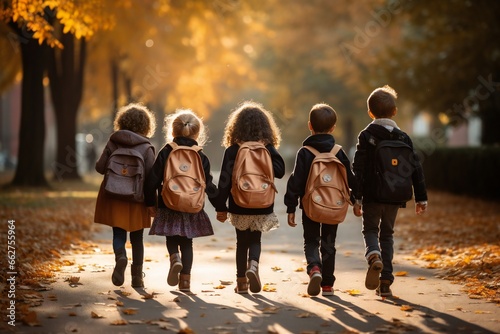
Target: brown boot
175,269
185,282
137,276
375,266
241,285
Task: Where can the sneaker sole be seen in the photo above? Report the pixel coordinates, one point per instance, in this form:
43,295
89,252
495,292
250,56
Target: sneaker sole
253,281
327,293
373,275
118,277
314,286
173,274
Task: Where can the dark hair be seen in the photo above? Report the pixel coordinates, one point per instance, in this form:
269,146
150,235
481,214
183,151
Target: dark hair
322,117
137,118
251,122
382,102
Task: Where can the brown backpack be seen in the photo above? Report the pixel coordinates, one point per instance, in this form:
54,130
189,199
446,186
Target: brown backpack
253,177
184,179
327,194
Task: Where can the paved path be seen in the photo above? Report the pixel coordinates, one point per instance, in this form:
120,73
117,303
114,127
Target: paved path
425,305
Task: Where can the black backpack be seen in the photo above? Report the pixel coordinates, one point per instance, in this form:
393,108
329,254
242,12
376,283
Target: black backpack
394,164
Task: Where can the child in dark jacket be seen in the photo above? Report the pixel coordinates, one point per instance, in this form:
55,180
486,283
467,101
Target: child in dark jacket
379,216
317,236
179,228
250,122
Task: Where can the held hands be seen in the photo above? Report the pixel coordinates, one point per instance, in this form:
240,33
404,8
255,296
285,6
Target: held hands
357,210
222,216
152,211
420,208
291,220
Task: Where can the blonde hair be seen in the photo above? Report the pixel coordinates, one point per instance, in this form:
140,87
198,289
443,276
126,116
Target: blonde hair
185,123
137,118
251,122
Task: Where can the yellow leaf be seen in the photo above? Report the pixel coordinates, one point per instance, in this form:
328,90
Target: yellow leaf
219,287
268,288
353,292
401,273
421,278
276,268
119,322
300,269
406,308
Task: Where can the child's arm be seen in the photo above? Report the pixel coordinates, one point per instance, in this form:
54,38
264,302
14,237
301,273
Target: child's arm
278,162
225,179
420,207
296,183
100,165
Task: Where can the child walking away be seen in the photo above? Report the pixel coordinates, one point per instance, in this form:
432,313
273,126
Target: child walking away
246,186
175,191
126,162
387,168
320,183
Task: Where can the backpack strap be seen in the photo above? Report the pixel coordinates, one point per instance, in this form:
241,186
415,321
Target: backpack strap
174,146
335,149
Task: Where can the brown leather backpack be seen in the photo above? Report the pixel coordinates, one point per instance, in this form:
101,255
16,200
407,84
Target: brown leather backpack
327,194
253,177
184,179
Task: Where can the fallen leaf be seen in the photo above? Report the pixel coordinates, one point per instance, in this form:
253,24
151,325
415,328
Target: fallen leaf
95,315
31,319
401,273
130,311
353,292
268,288
119,322
276,268
300,269
219,287
406,308
119,303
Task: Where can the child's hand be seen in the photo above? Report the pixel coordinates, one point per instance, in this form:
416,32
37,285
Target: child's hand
420,208
291,220
357,210
222,216
152,211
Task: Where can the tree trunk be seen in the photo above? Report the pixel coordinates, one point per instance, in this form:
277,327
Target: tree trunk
66,68
30,166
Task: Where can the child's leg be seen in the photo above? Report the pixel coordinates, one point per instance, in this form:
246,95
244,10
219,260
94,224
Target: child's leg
254,246
387,241
371,220
175,260
137,247
186,245
328,251
311,242
137,258
242,245
119,240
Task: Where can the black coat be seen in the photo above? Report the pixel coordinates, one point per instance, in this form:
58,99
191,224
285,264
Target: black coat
296,184
154,181
226,176
365,171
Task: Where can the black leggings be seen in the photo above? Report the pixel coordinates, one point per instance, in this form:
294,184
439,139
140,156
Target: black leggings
120,239
176,242
247,248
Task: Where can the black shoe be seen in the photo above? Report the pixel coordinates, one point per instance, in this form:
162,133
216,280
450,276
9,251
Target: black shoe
384,289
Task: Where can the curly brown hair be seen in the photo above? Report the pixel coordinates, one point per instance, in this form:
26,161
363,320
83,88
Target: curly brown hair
137,118
251,122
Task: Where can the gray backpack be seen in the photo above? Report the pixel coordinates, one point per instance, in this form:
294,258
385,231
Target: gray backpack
125,174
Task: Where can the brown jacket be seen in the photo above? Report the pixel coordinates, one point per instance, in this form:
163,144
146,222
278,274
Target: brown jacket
129,216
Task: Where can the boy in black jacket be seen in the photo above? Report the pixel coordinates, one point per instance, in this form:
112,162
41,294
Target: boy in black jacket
322,120
379,215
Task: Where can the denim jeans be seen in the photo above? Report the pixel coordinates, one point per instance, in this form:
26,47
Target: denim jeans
378,230
247,248
185,244
120,239
320,238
